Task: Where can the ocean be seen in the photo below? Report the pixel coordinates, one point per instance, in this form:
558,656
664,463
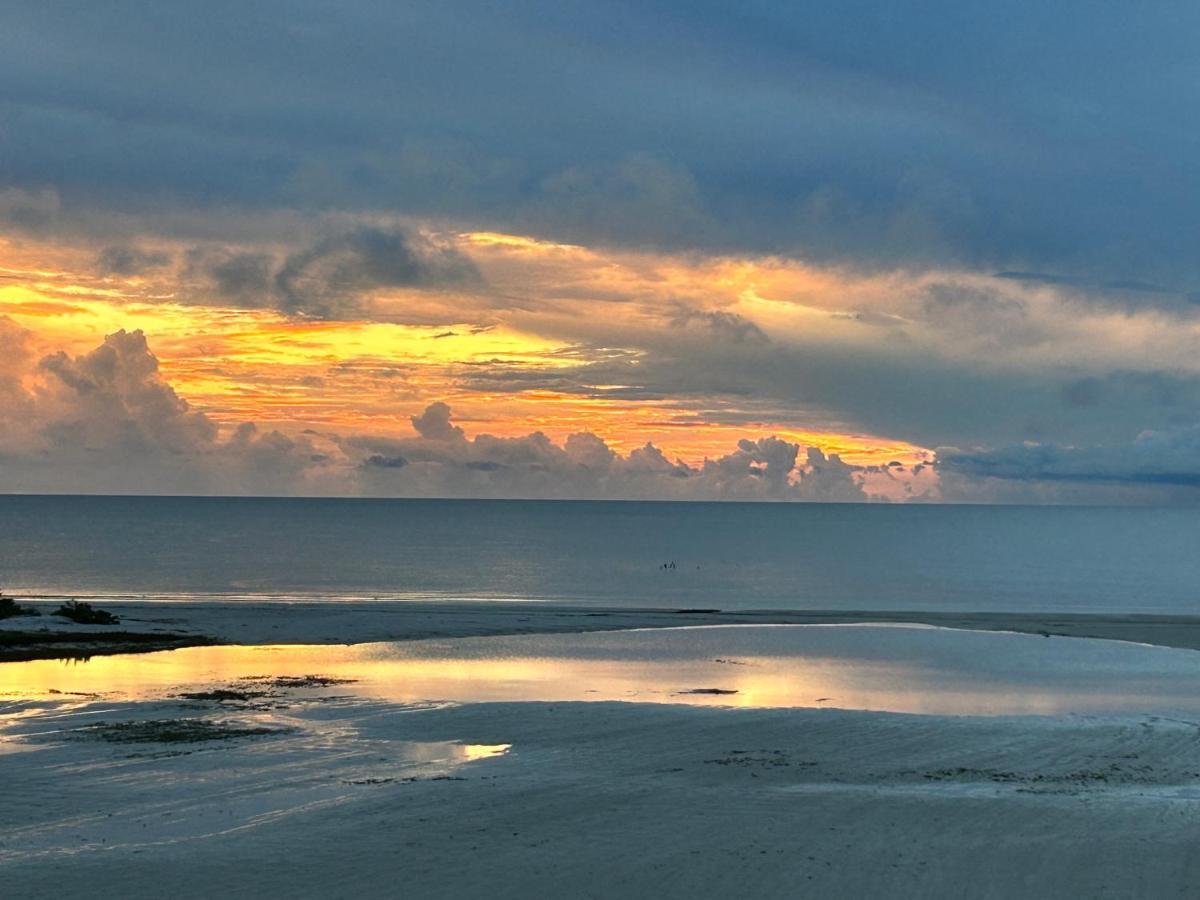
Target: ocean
699,555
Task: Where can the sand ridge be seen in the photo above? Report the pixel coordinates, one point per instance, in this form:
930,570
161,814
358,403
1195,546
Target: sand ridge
349,622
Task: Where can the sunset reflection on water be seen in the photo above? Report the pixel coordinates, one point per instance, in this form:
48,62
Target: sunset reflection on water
891,668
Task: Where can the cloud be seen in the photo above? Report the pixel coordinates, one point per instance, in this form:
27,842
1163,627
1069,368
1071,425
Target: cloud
113,398
937,358
332,276
335,276
34,209
1053,138
107,421
244,277
722,323
638,199
443,462
1159,466
385,462
128,260
434,423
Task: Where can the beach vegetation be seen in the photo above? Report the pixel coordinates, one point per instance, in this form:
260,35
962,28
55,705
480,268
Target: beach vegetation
85,614
10,608
175,731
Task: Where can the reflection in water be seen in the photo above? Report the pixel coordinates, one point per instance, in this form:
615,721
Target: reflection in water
913,669
448,753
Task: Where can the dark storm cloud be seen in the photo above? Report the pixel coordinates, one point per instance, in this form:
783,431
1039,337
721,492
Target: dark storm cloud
125,260
242,275
330,277
337,270
1024,137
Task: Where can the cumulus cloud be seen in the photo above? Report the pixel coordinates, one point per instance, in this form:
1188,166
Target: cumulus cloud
108,421
443,461
114,398
434,423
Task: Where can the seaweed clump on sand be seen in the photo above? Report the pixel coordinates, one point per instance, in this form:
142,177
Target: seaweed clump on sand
86,614
299,681
221,695
10,608
174,731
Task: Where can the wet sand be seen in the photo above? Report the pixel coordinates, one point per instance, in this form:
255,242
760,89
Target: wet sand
276,622
347,798
298,788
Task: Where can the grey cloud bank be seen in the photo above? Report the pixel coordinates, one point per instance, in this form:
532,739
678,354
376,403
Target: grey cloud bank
1023,136
330,277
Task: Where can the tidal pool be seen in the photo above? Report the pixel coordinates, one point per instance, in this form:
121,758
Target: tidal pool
897,668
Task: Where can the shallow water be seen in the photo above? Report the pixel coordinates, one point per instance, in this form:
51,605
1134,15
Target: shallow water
910,669
726,555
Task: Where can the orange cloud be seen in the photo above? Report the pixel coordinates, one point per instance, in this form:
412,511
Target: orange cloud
552,306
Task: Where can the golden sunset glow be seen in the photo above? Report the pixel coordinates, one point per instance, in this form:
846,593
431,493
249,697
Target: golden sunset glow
407,673
354,375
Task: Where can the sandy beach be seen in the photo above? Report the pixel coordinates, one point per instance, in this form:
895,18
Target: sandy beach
599,800
299,786
348,622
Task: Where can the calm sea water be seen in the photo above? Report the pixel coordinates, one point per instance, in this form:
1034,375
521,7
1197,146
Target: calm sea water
724,555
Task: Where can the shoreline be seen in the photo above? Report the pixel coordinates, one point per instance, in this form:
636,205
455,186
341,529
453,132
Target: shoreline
295,785
169,624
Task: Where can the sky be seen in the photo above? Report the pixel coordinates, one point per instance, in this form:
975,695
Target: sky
939,252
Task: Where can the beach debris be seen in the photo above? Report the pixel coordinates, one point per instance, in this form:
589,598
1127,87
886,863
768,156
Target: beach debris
175,731
760,759
406,780
299,681
223,694
85,614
